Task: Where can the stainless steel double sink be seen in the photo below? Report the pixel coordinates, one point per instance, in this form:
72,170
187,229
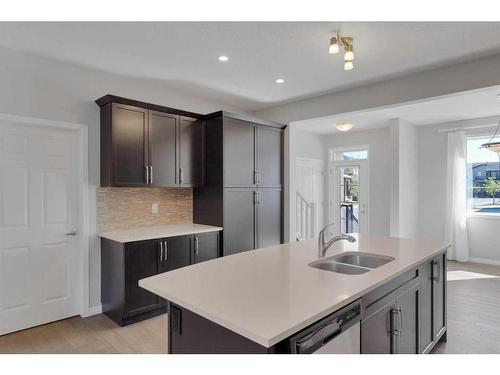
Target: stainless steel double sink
352,262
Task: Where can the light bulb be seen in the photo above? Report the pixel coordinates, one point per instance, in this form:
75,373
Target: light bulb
223,58
348,65
334,46
349,56
344,126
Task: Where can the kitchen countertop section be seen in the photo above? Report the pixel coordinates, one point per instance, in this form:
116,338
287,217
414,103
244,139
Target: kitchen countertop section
161,231
268,294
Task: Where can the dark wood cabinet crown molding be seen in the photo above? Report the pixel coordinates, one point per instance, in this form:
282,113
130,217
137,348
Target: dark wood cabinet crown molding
108,98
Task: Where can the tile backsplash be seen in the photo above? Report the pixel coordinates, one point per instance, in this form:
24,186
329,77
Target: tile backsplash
125,208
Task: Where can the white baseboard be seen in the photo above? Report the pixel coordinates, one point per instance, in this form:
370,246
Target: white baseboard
94,310
485,261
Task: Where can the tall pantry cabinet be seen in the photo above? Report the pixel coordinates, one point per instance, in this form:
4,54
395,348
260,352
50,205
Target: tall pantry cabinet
243,190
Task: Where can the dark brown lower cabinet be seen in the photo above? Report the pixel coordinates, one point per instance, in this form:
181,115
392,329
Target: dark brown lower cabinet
124,264
433,302
391,325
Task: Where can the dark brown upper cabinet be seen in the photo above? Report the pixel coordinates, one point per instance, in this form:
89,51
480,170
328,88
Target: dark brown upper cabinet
148,145
163,129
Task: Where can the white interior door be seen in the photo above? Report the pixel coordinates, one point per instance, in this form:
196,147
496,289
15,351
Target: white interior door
349,192
39,262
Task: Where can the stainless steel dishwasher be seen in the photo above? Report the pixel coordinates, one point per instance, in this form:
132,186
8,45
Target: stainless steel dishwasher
338,333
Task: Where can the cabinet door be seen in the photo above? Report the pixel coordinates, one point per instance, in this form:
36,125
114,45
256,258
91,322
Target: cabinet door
376,334
191,151
206,246
129,131
426,307
177,253
439,292
239,153
269,217
141,261
407,321
239,221
269,156
163,149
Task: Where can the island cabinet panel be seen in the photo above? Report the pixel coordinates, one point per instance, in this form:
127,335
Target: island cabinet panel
439,294
147,145
391,324
243,189
163,128
433,302
376,335
124,264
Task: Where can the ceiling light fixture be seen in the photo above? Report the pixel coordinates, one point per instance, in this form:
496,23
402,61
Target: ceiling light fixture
347,43
493,146
344,126
223,58
280,80
334,45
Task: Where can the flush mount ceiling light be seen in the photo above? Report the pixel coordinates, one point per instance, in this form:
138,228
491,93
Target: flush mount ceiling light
347,43
344,126
280,80
223,58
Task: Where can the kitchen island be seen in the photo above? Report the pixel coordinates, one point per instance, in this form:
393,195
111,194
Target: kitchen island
260,300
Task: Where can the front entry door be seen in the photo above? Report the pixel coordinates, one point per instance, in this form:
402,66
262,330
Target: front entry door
39,260
349,197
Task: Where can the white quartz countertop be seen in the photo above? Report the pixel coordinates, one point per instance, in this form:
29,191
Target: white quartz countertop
161,231
266,295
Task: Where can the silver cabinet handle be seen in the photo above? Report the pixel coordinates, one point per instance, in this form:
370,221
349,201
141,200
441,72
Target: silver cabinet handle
147,174
400,328
161,251
258,176
181,175
151,174
166,249
395,314
73,232
196,245
436,267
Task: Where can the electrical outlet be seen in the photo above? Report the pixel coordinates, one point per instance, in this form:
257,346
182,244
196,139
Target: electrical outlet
154,208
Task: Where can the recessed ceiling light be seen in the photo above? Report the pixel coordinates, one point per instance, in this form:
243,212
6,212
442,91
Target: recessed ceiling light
344,126
223,58
280,80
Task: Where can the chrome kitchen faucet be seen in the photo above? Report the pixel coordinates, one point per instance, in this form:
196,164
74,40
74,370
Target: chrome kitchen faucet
324,246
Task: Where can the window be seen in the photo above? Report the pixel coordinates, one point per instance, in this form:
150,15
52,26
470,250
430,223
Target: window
350,155
483,178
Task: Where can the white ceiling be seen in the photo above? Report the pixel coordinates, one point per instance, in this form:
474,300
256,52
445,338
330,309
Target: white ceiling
463,106
184,54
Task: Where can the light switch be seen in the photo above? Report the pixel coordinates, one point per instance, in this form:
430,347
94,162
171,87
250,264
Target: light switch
154,208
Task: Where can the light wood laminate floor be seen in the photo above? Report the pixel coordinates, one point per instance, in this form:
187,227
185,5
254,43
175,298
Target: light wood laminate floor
473,323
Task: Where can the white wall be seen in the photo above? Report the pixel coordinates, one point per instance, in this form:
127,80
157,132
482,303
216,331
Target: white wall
484,233
309,145
43,88
413,87
404,182
380,172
